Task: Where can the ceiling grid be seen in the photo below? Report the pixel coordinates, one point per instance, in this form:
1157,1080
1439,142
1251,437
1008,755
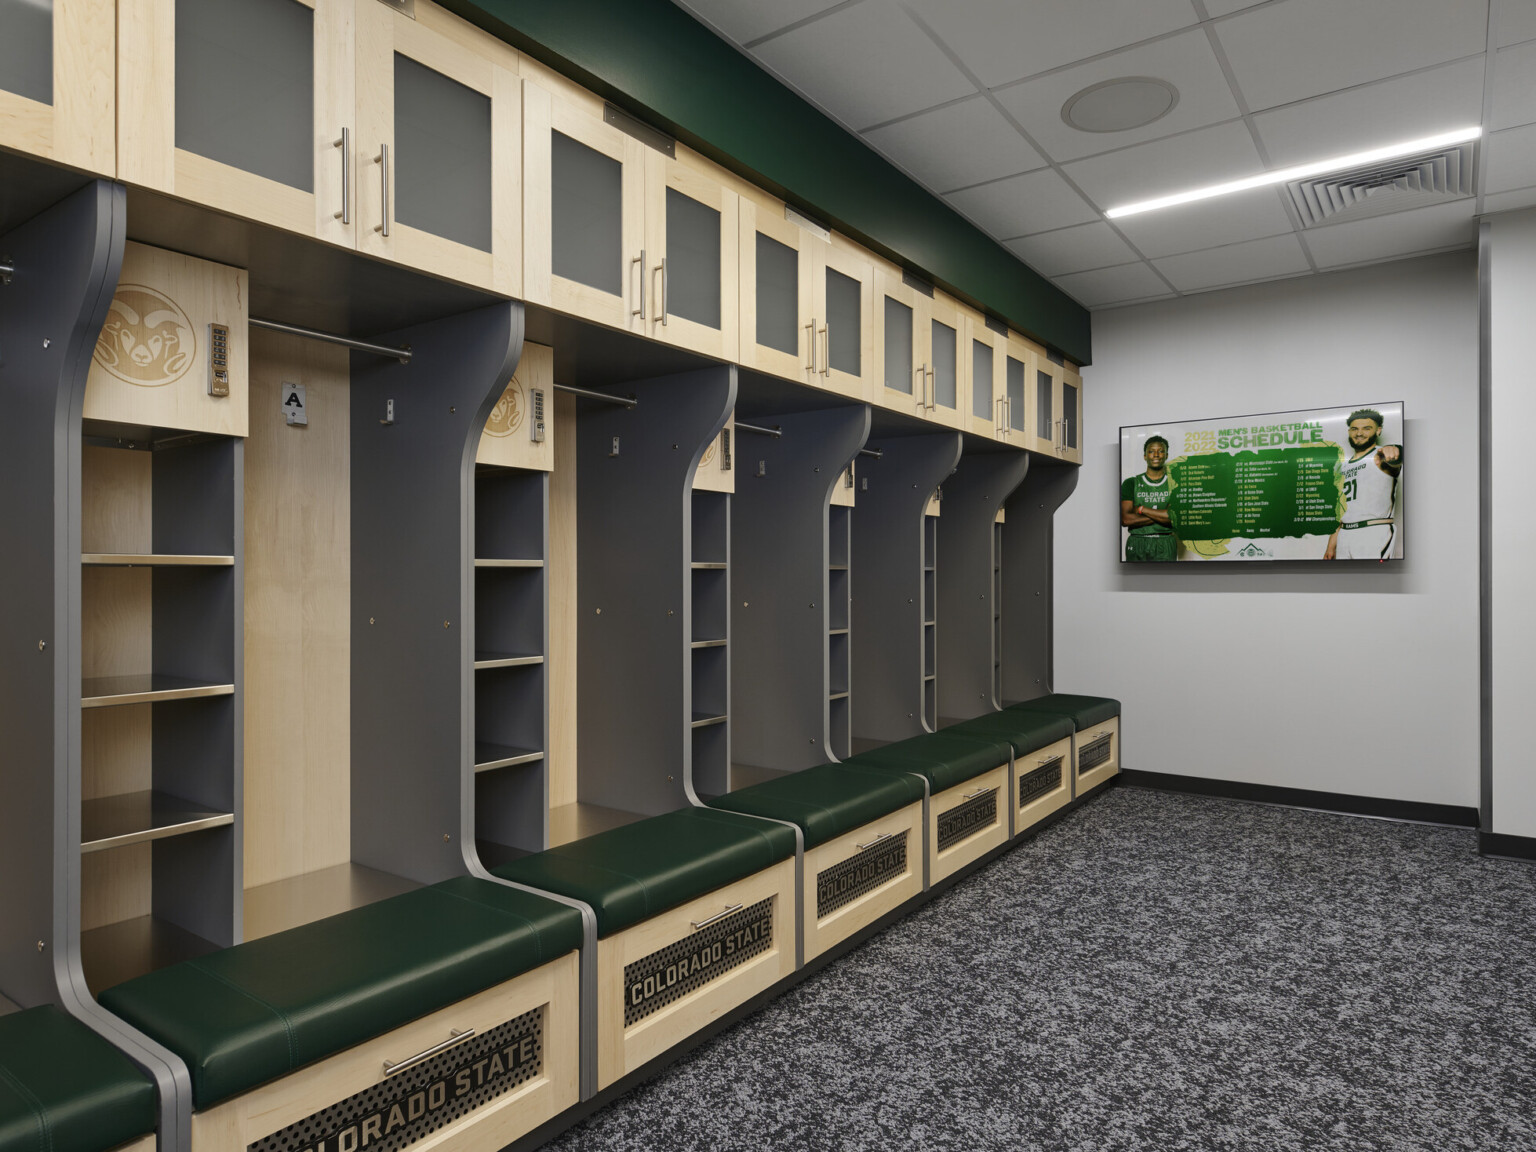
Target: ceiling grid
972,99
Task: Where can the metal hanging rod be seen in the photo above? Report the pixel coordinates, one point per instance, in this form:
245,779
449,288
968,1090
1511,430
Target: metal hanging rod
774,432
401,354
625,401
7,270
875,452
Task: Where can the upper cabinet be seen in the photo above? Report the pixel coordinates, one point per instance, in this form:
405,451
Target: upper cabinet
340,119
56,98
806,302
1016,390
918,367
1071,415
1056,410
986,358
690,255
439,146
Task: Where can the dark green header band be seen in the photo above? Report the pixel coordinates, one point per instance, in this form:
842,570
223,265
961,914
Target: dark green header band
656,60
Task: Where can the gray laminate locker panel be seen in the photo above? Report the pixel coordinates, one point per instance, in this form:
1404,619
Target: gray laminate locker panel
1028,533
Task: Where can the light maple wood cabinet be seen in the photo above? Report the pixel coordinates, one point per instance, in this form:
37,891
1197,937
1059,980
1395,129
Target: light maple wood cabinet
339,119
917,346
1056,410
56,82
985,360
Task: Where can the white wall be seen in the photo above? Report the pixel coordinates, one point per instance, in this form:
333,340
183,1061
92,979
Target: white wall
1512,291
1361,679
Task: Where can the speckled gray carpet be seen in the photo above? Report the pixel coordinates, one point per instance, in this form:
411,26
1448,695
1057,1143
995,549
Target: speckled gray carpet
1156,972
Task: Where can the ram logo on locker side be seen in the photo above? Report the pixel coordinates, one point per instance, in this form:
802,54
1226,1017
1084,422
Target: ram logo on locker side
507,416
147,339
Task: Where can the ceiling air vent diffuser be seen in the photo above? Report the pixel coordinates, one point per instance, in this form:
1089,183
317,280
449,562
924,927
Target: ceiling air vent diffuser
1391,186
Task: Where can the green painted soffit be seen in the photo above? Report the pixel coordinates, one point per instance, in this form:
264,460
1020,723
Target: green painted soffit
657,61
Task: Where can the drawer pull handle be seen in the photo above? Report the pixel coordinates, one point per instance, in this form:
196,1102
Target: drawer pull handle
978,792
878,839
455,1038
721,915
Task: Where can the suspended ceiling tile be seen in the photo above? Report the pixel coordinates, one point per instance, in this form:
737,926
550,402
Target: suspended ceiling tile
1003,40
1186,61
1514,21
745,20
1190,227
1509,201
1206,156
1514,86
956,146
1403,108
1401,234
1215,8
1113,285
1300,48
1020,205
1075,249
1509,159
865,64
1244,263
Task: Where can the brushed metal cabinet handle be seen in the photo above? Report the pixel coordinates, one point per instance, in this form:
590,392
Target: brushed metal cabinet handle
458,1036
382,160
721,915
345,144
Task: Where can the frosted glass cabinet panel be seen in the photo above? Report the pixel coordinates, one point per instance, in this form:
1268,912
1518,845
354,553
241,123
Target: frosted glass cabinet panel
777,293
438,151
243,105
986,384
845,294
1016,375
898,377
584,207
1071,415
56,81
692,230
948,364
1056,411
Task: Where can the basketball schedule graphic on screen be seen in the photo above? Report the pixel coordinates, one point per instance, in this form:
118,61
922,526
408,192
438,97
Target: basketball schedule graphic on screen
1325,484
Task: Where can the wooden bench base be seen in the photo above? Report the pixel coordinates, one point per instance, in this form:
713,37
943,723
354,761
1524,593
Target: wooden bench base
1033,801
860,876
1086,739
497,1086
674,973
976,839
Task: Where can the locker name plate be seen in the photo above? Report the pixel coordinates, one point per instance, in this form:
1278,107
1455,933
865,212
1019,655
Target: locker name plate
397,1112
1043,779
1090,756
845,882
964,819
654,981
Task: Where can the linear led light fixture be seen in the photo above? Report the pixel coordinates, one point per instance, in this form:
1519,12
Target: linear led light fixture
1317,168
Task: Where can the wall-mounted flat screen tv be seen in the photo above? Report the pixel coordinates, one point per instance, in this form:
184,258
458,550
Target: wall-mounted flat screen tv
1324,484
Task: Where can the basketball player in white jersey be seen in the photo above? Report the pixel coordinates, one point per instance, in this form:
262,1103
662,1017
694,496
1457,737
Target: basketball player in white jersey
1368,478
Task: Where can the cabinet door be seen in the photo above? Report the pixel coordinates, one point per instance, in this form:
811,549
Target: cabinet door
691,236
898,376
1071,408
438,148
985,356
56,73
1043,428
1016,370
583,212
776,293
246,106
844,290
948,374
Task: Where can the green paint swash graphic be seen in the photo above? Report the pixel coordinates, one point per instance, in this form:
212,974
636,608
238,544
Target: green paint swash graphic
1268,493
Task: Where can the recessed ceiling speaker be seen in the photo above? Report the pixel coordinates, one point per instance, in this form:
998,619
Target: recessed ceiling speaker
1120,105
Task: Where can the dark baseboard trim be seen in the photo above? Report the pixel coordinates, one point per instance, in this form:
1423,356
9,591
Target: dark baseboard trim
1454,815
1510,847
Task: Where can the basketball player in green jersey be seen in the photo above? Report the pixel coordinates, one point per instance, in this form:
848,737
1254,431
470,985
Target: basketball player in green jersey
1144,508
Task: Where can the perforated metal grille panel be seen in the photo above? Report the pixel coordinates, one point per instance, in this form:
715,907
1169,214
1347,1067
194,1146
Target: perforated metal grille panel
654,981
1033,785
967,818
397,1112
844,882
1090,756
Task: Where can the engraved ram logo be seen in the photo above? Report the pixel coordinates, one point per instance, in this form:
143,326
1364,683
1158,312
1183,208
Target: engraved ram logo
507,416
147,339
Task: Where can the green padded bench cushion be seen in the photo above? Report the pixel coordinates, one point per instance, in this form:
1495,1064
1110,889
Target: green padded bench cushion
632,873
827,800
1025,730
945,758
65,1089
1084,711
248,1014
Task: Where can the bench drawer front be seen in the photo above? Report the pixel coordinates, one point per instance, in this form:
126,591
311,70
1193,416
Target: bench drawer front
1042,783
1096,754
963,826
857,878
519,1068
665,978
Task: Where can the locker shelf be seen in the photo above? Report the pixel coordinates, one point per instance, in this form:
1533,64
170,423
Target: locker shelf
489,756
311,896
504,660
509,563
704,719
148,688
152,560
138,817
117,952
